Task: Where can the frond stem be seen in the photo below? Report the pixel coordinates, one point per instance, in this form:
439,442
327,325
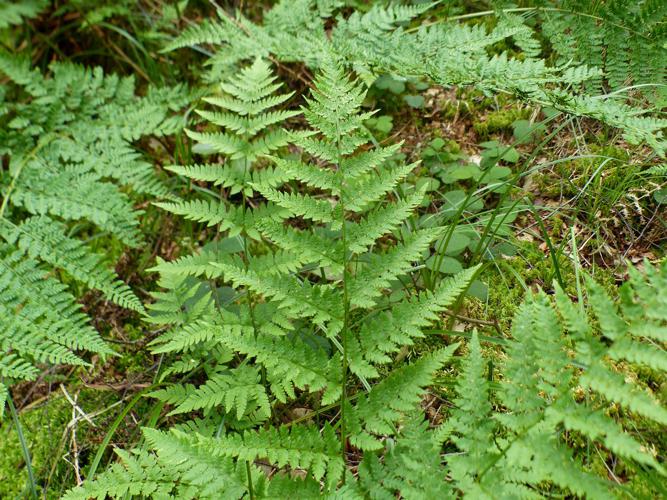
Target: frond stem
346,307
528,9
12,184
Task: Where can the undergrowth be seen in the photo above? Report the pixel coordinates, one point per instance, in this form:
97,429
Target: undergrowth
332,249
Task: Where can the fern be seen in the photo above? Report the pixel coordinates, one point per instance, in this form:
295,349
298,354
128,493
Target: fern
295,300
519,443
395,395
537,392
626,40
248,134
178,468
451,54
281,339
67,140
412,468
14,12
297,330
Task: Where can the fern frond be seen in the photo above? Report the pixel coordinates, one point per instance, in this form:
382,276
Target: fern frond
26,288
299,447
98,202
470,426
376,412
44,238
248,107
310,246
412,468
185,301
300,309
365,161
177,469
304,206
386,332
69,152
614,388
362,192
182,338
368,283
16,11
247,125
209,31
201,263
239,391
381,221
311,175
290,364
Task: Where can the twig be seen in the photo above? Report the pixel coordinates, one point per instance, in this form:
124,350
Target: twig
75,447
75,407
117,387
493,323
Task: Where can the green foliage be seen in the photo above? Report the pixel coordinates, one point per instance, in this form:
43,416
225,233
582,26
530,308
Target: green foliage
67,140
411,468
249,133
300,330
14,12
178,469
556,357
557,353
376,42
313,277
625,39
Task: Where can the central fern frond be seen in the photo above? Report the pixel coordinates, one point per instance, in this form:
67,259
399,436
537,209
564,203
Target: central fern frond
308,315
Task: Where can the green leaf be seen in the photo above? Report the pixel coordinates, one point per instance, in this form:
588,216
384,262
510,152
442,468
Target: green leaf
526,132
414,101
479,289
388,82
382,124
457,243
452,173
444,264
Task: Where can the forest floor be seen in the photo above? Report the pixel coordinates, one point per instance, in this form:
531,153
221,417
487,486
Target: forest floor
584,201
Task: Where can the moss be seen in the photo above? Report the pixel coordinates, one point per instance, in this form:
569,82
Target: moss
498,121
452,146
43,429
49,440
449,109
606,175
533,268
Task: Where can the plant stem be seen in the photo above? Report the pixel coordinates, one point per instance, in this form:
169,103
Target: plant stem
519,10
24,446
251,493
246,264
346,310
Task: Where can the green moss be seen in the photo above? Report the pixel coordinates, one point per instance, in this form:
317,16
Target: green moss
606,175
498,121
449,109
49,440
532,268
43,429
